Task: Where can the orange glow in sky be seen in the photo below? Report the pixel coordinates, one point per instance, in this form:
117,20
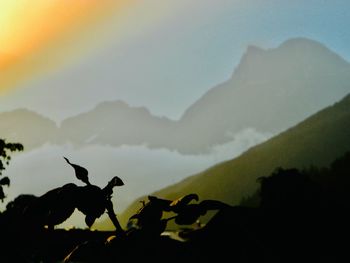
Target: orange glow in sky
28,27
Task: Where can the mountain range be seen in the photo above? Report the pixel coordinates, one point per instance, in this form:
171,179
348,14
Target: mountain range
315,142
270,91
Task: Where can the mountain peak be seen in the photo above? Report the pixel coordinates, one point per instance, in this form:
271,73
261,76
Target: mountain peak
301,42
252,49
291,55
24,113
119,105
252,52
112,104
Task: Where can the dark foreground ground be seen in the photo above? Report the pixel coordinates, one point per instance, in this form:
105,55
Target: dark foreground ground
237,234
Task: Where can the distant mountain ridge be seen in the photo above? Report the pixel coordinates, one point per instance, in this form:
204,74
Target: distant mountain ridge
27,127
114,123
270,91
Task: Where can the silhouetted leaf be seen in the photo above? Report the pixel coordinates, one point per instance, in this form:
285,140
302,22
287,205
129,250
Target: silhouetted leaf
2,194
5,159
5,181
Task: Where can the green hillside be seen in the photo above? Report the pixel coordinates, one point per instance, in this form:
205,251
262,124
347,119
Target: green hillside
316,141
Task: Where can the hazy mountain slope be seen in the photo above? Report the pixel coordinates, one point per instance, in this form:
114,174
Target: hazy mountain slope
116,123
317,141
27,127
271,90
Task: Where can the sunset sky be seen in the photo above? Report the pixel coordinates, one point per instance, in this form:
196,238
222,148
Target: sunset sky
162,54
33,31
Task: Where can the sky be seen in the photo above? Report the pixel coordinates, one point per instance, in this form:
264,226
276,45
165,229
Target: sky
161,54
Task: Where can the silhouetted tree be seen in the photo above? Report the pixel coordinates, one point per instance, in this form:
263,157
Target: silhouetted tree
5,149
287,188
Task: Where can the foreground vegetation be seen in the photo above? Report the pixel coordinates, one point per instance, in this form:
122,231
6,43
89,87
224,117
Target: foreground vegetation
300,215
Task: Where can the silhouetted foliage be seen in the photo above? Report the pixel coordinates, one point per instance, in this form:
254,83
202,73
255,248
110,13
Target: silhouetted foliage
311,187
302,215
57,205
5,149
80,172
149,216
285,189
